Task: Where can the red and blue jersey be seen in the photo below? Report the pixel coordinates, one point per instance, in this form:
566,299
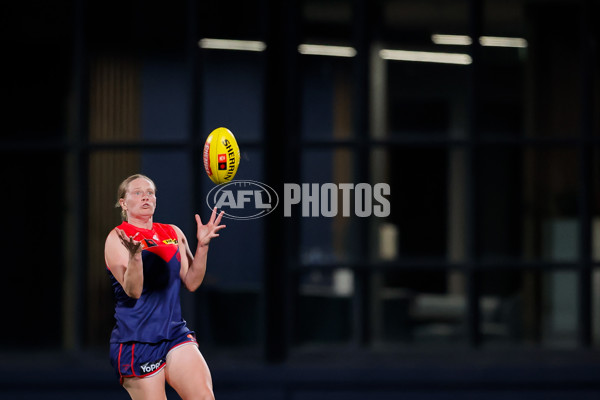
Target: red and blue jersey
156,315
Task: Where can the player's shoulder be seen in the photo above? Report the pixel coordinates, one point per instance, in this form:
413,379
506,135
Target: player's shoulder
163,227
179,235
112,239
176,229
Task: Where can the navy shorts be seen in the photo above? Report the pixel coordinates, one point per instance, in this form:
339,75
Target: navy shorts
140,360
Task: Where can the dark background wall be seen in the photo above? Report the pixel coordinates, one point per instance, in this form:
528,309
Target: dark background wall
482,282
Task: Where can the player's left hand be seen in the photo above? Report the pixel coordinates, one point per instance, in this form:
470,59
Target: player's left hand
206,232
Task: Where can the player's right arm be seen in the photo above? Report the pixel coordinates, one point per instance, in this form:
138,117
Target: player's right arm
123,256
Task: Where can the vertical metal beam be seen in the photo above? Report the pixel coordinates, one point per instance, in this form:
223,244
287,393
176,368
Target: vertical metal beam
473,275
362,41
76,192
280,154
195,143
585,178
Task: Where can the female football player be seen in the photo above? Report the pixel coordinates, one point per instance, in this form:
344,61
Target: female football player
147,263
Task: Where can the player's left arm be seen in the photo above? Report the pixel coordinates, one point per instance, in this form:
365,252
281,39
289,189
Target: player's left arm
193,265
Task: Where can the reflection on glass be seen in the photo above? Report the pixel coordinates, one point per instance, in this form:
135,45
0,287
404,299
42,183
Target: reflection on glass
233,87
596,306
327,239
559,326
418,306
550,217
324,307
327,98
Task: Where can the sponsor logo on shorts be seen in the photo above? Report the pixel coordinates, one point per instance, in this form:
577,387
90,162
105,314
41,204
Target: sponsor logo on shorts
151,366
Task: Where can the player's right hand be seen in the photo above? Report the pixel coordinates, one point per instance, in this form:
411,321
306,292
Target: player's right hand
133,246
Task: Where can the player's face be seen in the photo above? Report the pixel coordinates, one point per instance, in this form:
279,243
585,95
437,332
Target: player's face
140,199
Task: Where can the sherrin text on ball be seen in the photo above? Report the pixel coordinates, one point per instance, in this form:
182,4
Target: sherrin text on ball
221,156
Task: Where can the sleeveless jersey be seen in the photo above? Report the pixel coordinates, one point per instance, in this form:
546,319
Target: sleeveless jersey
156,315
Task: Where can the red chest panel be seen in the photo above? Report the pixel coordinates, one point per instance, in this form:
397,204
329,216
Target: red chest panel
160,240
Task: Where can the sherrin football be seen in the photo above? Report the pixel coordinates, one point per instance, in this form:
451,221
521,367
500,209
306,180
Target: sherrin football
221,156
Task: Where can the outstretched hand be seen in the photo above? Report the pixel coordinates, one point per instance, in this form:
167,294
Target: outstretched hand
206,232
133,246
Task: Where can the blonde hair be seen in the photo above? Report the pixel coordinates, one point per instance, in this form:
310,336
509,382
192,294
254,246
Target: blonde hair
122,191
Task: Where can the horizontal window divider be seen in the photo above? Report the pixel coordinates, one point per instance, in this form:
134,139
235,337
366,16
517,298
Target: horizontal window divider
441,265
170,145
329,143
482,141
426,141
33,145
141,145
65,145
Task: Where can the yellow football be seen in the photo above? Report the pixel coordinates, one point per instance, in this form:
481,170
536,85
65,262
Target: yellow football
221,156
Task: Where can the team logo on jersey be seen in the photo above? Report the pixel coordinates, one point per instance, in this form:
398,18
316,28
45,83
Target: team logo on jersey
148,243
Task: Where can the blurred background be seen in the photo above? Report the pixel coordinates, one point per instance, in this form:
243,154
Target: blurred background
483,116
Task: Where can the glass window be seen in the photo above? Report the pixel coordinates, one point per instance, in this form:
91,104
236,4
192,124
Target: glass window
595,307
501,204
505,56
560,290
595,204
426,99
423,304
33,237
37,74
232,86
323,307
550,190
228,305
165,99
419,307
328,222
418,221
552,71
423,84
510,307
327,94
243,267
595,243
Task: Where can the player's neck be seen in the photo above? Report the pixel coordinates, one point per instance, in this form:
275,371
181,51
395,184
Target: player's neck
141,222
